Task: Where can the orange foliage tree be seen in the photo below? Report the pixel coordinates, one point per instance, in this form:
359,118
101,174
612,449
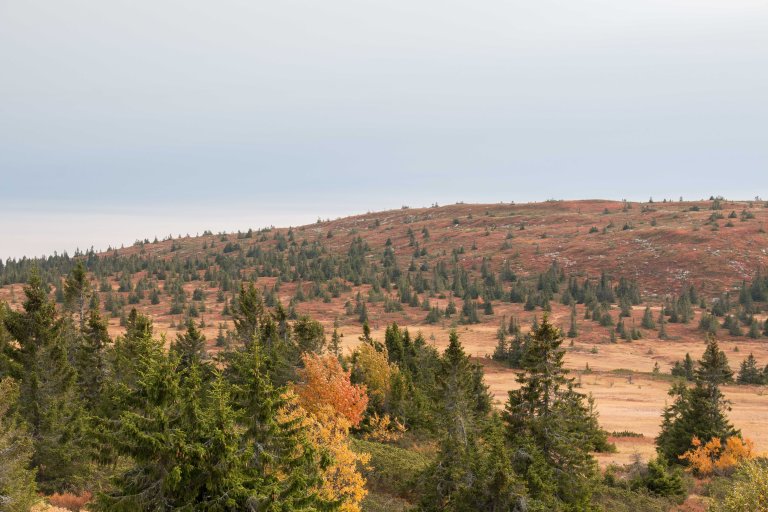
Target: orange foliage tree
328,403
712,457
323,382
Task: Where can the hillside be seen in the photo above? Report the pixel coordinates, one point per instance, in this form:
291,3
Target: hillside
400,264
636,286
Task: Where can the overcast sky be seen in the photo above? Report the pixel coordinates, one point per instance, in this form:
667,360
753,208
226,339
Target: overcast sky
127,119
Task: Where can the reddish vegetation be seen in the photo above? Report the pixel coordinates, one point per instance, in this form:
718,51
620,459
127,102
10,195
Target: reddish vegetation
70,501
324,383
681,248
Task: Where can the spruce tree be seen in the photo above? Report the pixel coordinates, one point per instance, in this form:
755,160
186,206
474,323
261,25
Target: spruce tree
248,313
549,422
125,357
572,330
713,367
501,353
662,325
190,346
393,340
335,345
463,471
77,292
749,373
90,356
49,401
647,322
697,411
17,482
285,464
183,441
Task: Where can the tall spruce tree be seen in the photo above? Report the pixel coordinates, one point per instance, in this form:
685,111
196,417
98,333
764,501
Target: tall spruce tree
181,436
90,356
550,424
49,401
468,472
125,357
287,466
699,410
572,330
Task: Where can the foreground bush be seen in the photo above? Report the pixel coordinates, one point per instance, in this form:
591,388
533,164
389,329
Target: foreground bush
749,490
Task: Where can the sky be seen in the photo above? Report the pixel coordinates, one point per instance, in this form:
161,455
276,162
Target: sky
130,119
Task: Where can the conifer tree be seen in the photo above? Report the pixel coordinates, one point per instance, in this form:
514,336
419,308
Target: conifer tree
713,367
685,369
647,322
190,346
49,401
248,313
662,325
572,330
287,465
698,411
126,355
17,481
749,373
549,421
335,345
393,340
308,335
182,438
454,481
90,356
501,353
77,292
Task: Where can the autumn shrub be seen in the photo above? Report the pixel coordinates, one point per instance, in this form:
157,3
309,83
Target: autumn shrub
714,458
384,429
328,433
70,501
